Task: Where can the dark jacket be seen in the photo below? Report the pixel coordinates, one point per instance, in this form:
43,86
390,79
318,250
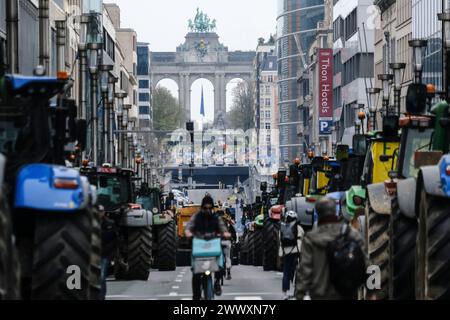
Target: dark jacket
206,223
313,274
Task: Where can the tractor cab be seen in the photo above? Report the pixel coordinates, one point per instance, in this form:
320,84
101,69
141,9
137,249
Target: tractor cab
115,187
32,129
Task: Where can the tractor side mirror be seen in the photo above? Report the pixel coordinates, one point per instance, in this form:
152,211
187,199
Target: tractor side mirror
342,152
359,144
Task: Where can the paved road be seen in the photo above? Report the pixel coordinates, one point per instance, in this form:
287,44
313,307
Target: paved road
248,283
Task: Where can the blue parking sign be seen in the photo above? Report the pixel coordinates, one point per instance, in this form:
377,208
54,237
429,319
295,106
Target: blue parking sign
325,126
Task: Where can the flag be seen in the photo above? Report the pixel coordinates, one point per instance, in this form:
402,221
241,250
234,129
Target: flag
202,105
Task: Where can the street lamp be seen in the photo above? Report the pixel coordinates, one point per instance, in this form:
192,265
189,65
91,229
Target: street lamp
112,80
386,85
399,71
94,51
418,46
373,97
105,70
121,95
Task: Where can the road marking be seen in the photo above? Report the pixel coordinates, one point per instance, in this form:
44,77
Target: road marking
247,298
279,274
175,287
173,294
180,276
178,280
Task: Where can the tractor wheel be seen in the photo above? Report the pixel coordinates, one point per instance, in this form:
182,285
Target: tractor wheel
271,245
61,256
433,248
251,248
95,280
167,247
377,240
402,235
9,262
243,256
258,248
139,253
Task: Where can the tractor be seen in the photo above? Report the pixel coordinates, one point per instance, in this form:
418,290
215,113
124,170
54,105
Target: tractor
164,248
48,208
132,244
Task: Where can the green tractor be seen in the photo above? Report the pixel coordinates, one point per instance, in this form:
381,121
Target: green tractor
252,240
164,240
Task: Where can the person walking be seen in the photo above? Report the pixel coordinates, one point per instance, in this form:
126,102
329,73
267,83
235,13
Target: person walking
315,279
291,235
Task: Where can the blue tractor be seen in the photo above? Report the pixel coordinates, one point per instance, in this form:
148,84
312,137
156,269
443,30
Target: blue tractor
49,226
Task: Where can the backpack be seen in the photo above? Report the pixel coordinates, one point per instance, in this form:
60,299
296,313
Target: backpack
289,234
347,263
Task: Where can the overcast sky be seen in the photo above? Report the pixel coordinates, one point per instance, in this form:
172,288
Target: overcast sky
164,24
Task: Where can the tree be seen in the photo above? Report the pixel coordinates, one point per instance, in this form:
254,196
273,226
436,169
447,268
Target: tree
241,115
167,114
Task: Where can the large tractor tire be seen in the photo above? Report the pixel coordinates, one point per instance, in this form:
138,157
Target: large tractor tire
243,256
258,248
251,248
95,277
139,253
433,248
167,247
271,245
402,235
62,244
9,262
377,240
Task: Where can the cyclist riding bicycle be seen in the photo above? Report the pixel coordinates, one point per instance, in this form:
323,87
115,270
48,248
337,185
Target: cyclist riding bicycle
202,223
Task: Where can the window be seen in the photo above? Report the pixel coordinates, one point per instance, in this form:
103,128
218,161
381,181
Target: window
144,110
267,126
268,103
144,97
143,61
404,11
267,89
144,84
109,45
351,24
268,114
270,79
338,28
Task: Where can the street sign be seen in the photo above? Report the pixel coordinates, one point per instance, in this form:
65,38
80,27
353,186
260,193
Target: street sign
325,127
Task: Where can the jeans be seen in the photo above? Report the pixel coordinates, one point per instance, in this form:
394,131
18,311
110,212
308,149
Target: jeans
104,275
289,267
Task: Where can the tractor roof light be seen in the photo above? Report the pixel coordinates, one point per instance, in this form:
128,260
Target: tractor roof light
85,163
399,71
361,115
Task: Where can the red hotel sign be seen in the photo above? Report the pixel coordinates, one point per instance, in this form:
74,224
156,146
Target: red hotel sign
326,84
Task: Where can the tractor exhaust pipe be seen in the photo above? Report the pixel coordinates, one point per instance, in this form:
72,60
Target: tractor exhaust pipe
44,35
12,26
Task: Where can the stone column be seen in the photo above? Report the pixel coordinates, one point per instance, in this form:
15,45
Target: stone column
187,98
181,91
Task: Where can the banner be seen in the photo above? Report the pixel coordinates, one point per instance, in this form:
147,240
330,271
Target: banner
325,90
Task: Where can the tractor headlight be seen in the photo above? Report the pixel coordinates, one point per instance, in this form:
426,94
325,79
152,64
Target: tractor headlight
155,210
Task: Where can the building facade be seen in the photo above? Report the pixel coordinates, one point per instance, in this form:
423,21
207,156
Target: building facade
266,107
144,84
297,24
353,61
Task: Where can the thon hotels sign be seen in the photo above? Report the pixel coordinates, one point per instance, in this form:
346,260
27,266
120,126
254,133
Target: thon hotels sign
325,91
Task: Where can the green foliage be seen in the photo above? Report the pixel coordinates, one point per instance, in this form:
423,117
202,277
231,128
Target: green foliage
241,115
167,115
